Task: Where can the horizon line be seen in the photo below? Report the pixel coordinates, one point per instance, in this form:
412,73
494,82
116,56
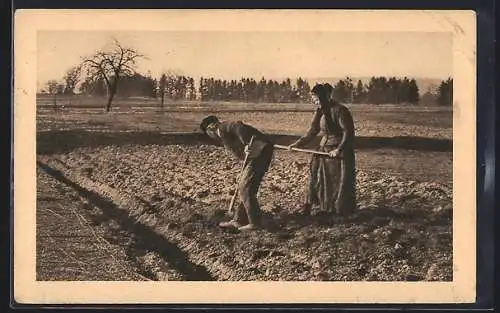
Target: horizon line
339,77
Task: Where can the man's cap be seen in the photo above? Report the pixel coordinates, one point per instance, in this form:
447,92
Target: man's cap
207,121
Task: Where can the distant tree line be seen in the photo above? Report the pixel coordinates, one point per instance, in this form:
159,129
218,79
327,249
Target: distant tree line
250,90
378,90
176,87
445,92
179,87
113,71
134,85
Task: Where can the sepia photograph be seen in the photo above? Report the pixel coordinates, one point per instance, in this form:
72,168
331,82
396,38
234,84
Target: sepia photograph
247,147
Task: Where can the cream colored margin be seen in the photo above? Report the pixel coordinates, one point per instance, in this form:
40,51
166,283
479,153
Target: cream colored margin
461,24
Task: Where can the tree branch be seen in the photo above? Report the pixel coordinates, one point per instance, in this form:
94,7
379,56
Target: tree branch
111,64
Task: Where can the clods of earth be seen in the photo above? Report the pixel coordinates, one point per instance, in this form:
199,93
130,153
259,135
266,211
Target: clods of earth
402,229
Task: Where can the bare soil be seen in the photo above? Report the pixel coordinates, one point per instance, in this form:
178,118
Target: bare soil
370,121
402,230
119,199
69,245
79,239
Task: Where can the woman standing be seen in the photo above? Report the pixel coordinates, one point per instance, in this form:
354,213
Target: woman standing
332,180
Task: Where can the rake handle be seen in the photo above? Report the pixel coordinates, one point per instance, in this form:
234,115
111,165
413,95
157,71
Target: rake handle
302,150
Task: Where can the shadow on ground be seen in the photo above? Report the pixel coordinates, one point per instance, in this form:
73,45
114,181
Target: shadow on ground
60,141
379,216
147,238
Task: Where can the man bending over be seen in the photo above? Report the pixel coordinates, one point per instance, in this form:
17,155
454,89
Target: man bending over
236,136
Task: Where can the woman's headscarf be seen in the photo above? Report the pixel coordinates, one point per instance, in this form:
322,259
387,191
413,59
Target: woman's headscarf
323,91
325,94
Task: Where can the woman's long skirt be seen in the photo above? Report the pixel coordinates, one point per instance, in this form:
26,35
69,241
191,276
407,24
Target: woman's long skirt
332,182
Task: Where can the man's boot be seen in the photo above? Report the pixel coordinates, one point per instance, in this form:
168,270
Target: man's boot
239,219
230,224
254,219
248,227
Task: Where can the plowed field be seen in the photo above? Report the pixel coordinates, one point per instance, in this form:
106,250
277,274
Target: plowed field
157,203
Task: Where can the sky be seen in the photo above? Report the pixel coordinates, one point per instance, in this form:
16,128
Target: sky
233,55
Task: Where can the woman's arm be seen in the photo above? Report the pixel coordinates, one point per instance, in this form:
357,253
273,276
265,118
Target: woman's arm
314,129
347,124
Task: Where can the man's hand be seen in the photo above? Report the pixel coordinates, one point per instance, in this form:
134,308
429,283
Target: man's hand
334,153
247,149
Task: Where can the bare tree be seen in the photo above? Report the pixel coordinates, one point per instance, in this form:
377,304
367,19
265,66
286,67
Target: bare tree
60,88
52,88
110,65
71,79
162,86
